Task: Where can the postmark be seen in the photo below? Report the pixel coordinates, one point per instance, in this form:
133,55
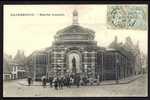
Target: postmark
127,17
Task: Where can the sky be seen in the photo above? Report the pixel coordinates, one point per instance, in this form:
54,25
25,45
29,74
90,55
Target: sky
30,33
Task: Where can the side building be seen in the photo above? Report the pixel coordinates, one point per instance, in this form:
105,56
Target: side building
37,65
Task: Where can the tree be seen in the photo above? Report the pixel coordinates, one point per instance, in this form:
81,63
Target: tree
20,57
114,44
7,60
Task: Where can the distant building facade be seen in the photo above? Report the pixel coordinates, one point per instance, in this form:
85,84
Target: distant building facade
17,71
12,70
91,60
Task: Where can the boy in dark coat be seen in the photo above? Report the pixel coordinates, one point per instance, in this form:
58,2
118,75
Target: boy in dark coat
56,83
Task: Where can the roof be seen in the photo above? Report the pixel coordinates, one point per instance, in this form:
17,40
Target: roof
75,29
121,51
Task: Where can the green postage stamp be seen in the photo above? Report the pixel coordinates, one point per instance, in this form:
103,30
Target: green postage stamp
127,17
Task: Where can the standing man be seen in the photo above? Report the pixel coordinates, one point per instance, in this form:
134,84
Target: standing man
85,80
78,81
71,81
61,82
68,81
56,83
65,81
51,81
29,81
43,81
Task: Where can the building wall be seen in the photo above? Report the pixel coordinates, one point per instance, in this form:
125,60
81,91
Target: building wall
57,59
113,65
38,65
109,69
89,63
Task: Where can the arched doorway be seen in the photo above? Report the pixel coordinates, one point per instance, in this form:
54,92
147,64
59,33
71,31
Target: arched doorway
76,55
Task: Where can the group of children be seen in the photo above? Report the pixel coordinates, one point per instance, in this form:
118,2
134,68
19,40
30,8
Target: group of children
58,82
61,81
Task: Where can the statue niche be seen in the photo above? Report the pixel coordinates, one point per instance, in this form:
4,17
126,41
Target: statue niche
74,65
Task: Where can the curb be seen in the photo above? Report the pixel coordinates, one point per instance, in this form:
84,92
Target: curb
129,81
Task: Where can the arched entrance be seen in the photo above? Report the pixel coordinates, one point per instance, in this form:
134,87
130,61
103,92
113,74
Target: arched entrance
74,62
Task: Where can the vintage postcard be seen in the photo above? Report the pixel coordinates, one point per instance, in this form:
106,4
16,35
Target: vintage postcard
75,50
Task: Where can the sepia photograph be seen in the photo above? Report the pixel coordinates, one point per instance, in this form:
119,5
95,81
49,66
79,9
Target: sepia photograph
86,50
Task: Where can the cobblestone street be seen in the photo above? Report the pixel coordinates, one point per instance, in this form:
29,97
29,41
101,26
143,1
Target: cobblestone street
138,87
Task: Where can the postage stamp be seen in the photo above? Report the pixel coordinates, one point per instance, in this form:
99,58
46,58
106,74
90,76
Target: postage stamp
127,17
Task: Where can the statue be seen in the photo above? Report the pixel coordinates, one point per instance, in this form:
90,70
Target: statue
74,65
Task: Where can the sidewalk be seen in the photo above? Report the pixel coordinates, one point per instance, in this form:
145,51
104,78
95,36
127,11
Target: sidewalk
112,82
122,81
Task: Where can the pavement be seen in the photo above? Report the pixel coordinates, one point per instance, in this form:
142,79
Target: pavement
109,82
